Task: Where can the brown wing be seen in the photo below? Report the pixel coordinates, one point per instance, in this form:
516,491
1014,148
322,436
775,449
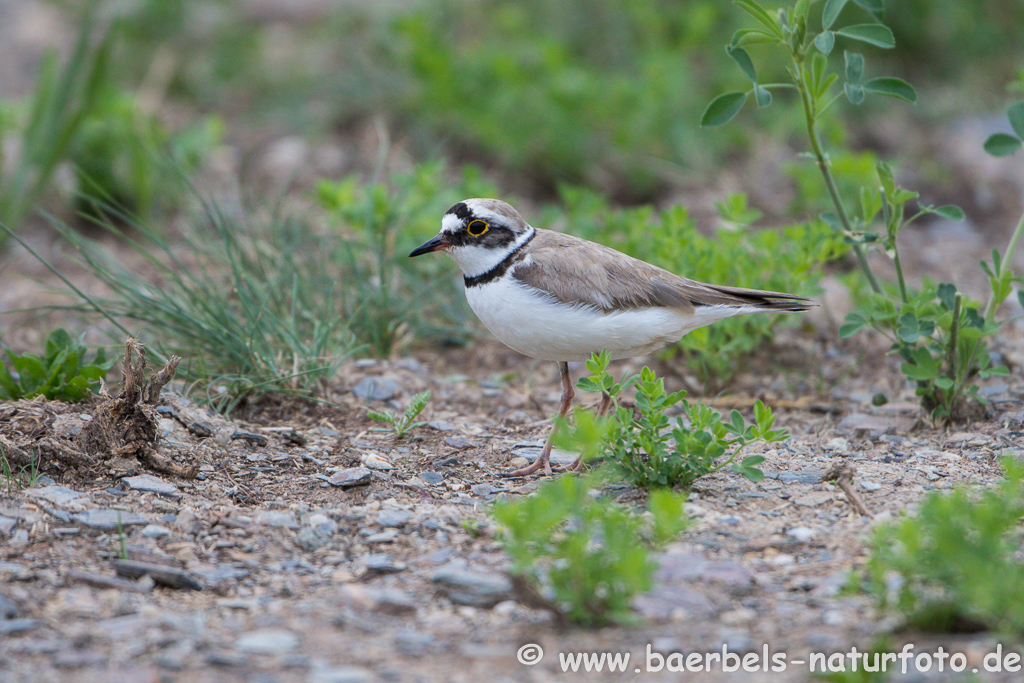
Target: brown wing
575,270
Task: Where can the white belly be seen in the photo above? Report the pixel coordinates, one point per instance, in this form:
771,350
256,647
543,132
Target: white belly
541,327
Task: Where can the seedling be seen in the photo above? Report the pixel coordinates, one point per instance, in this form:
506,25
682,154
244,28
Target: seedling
406,422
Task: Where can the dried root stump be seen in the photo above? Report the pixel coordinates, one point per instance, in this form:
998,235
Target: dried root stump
122,431
126,426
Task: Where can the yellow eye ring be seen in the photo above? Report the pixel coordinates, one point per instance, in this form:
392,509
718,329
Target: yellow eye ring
477,228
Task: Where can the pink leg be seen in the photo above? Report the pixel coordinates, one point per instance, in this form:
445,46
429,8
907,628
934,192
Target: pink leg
544,459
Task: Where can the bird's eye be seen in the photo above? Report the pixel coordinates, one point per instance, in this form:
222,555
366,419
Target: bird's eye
477,228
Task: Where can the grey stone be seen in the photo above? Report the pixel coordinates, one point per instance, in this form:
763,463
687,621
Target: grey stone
6,524
410,364
18,625
267,641
392,601
8,610
385,536
558,456
432,478
155,531
486,490
58,495
382,563
109,520
802,534
666,601
804,477
342,674
353,476
376,389
312,538
441,425
870,486
460,442
413,643
277,519
393,518
147,482
467,587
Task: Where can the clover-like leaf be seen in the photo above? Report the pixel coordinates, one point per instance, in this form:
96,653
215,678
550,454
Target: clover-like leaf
878,35
891,87
723,109
825,41
1002,144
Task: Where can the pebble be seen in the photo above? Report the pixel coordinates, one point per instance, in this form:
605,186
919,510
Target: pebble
382,563
441,425
342,674
155,531
393,518
558,456
802,534
804,477
375,389
109,520
475,588
460,442
413,643
18,625
6,524
432,478
385,536
58,495
8,610
267,641
311,539
277,519
147,482
837,444
870,486
353,476
376,462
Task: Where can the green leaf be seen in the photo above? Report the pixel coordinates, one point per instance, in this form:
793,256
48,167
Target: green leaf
908,328
752,460
947,294
891,87
723,109
1002,144
740,56
762,97
878,35
853,323
9,389
854,66
944,383
854,93
950,212
918,373
825,41
762,15
831,13
751,36
875,7
1015,112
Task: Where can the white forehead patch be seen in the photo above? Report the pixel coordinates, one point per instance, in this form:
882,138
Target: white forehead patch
450,223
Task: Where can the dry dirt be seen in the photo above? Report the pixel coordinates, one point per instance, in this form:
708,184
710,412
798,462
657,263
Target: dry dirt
272,572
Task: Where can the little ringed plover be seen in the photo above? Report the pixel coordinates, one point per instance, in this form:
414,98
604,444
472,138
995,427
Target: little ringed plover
556,297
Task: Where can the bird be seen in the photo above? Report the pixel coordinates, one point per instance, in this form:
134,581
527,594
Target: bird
556,297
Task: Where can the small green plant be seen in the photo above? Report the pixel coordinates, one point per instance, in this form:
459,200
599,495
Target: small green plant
956,564
940,337
61,374
651,452
63,98
585,554
406,422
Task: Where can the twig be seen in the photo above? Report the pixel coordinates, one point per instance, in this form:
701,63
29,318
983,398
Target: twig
842,476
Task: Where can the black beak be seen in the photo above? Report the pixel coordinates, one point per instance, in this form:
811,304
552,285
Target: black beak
433,244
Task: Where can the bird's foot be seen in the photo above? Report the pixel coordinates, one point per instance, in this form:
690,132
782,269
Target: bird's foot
575,466
543,460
